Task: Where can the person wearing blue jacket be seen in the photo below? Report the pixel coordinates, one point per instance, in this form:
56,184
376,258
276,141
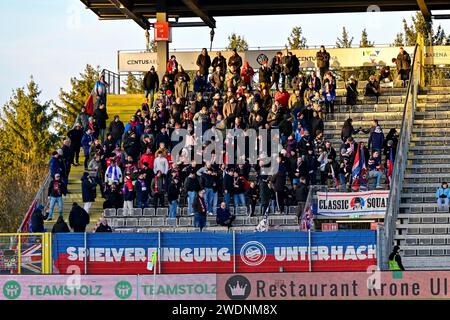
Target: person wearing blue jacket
54,164
442,196
86,143
376,139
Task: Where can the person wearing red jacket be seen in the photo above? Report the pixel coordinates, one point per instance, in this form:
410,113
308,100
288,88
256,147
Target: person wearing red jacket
282,96
247,74
148,157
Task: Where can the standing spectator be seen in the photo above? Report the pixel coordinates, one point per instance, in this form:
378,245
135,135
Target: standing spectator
83,118
329,92
376,139
37,219
56,190
276,68
78,218
219,61
265,75
116,129
103,226
192,186
265,195
235,61
142,191
442,196
88,190
286,69
253,195
129,193
203,63
151,85
86,142
279,183
113,174
199,207
348,130
217,79
395,260
75,135
403,63
60,226
323,61
200,83
182,80
209,184
372,88
224,217
158,189
100,90
160,164
173,193
238,190
54,164
172,65
301,195
247,74
101,116
352,91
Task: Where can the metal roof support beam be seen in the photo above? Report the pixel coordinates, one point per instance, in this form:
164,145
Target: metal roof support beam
194,7
126,10
424,9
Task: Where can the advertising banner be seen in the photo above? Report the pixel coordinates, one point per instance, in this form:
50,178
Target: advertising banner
352,203
339,57
335,286
191,253
103,287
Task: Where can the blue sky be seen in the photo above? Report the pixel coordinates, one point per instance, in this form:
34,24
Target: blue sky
53,40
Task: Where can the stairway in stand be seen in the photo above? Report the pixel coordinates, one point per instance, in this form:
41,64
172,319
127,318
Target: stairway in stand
423,231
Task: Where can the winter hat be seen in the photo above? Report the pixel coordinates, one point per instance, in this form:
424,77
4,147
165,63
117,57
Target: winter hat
168,92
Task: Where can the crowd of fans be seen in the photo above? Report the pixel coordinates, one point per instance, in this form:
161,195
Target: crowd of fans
132,161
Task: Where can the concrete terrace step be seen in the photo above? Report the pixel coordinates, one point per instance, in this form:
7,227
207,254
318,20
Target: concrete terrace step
421,215
419,205
428,166
431,156
425,225
426,263
416,139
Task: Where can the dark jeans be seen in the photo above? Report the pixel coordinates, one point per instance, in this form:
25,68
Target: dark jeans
199,221
279,196
252,206
76,152
329,106
322,72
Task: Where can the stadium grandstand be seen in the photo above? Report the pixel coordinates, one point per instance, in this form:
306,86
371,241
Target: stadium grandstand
234,144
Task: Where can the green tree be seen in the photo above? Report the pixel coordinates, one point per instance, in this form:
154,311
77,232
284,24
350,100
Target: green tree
133,84
237,42
296,39
399,40
344,41
365,43
26,141
439,37
73,100
153,46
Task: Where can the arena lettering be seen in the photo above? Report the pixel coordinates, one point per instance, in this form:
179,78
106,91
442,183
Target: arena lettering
324,253
334,204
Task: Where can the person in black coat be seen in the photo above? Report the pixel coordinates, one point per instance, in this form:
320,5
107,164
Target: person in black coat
116,129
88,191
199,207
352,91
113,198
203,63
224,217
348,130
101,116
301,194
151,85
78,218
103,226
37,219
279,182
60,226
75,135
253,195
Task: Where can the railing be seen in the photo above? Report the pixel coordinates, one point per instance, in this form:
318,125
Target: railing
401,156
40,198
113,79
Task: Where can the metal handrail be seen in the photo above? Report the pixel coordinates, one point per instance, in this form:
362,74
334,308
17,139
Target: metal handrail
113,79
401,157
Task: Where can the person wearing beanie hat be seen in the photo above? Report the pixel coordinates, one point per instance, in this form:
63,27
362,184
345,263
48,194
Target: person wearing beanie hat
56,189
78,218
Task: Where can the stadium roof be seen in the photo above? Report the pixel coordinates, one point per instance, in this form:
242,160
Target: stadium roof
142,10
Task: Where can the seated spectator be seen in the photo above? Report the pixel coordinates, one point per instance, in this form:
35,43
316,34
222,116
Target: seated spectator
103,226
224,217
376,169
372,88
60,226
442,196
